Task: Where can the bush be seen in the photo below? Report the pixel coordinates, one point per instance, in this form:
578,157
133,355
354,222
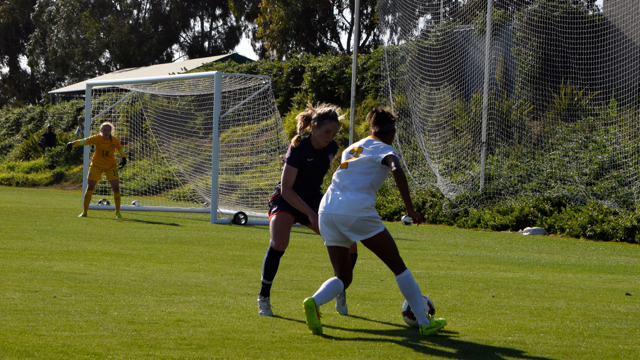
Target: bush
558,215
29,149
59,156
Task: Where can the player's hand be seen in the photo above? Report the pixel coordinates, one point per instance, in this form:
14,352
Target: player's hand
70,145
416,217
314,224
123,162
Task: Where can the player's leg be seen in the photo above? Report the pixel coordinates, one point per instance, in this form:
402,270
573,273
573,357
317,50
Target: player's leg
341,262
95,174
383,245
280,231
115,186
341,298
114,180
338,244
88,194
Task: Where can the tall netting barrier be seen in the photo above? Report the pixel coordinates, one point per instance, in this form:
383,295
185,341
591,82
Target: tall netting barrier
500,100
167,131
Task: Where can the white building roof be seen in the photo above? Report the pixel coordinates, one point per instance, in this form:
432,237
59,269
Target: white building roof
149,71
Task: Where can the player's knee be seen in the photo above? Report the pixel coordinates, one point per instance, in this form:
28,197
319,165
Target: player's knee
279,244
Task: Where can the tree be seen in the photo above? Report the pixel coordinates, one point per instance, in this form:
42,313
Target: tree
291,27
549,61
214,28
17,86
79,39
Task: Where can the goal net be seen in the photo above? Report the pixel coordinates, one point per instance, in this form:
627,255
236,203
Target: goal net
191,141
498,100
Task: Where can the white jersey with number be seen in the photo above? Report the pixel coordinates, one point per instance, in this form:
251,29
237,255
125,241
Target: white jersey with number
355,184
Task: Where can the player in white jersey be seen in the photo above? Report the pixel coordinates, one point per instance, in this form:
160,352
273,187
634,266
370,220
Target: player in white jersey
347,214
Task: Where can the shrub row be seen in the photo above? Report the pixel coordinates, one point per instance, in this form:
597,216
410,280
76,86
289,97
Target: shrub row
557,215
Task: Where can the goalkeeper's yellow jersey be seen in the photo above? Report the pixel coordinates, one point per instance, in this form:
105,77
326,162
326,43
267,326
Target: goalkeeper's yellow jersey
105,150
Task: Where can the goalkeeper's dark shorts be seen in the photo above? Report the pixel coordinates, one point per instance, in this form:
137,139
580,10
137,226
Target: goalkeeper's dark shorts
278,204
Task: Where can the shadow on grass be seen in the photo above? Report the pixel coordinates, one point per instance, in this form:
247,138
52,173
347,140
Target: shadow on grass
444,345
147,222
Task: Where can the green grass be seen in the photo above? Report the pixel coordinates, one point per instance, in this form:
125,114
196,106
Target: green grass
173,286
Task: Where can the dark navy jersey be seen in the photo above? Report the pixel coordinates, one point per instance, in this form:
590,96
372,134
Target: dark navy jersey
312,166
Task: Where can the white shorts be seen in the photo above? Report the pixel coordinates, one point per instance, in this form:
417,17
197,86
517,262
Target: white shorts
344,230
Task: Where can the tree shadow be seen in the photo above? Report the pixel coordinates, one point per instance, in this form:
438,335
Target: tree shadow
444,345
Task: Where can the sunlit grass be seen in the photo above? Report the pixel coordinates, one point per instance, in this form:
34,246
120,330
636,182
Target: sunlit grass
164,285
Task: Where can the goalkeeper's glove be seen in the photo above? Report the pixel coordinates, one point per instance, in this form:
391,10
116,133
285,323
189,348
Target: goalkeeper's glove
70,145
123,162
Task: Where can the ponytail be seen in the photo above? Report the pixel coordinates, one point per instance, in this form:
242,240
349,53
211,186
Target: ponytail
305,119
312,115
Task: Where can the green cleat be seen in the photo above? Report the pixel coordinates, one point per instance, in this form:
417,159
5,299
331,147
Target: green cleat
313,316
84,214
435,326
118,216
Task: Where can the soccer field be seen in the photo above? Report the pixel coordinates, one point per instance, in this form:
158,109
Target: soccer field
173,286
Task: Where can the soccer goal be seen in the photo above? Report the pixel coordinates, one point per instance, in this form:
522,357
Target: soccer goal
205,142
501,100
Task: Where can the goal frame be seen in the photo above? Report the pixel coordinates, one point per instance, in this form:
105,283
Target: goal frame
217,76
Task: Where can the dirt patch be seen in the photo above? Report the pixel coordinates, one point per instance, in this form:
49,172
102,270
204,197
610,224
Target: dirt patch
64,185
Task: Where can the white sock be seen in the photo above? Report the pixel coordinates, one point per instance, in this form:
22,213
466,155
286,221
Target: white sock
411,291
328,291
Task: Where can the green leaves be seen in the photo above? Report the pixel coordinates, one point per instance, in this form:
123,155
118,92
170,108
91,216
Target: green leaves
290,28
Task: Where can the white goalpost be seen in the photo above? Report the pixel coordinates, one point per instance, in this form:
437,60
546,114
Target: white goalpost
194,142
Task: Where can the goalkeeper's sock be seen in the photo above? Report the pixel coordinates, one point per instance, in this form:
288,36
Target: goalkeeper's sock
328,291
116,200
87,200
411,291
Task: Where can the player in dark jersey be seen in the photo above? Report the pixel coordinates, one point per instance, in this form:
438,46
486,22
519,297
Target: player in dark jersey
298,196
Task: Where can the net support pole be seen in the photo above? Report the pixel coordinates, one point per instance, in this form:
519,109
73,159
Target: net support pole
354,69
215,151
485,97
87,133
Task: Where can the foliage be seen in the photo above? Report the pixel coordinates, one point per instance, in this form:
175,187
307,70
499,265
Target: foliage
557,214
19,124
570,104
73,40
36,173
29,149
315,79
17,85
59,156
544,65
500,20
288,29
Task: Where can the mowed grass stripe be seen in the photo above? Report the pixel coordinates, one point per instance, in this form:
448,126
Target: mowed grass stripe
166,286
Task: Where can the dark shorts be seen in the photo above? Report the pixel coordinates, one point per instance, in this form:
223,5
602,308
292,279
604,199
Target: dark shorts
278,204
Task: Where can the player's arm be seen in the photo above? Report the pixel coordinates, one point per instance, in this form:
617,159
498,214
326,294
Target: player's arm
82,142
289,174
123,157
403,186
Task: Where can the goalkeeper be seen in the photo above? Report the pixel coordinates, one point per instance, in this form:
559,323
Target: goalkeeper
103,161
